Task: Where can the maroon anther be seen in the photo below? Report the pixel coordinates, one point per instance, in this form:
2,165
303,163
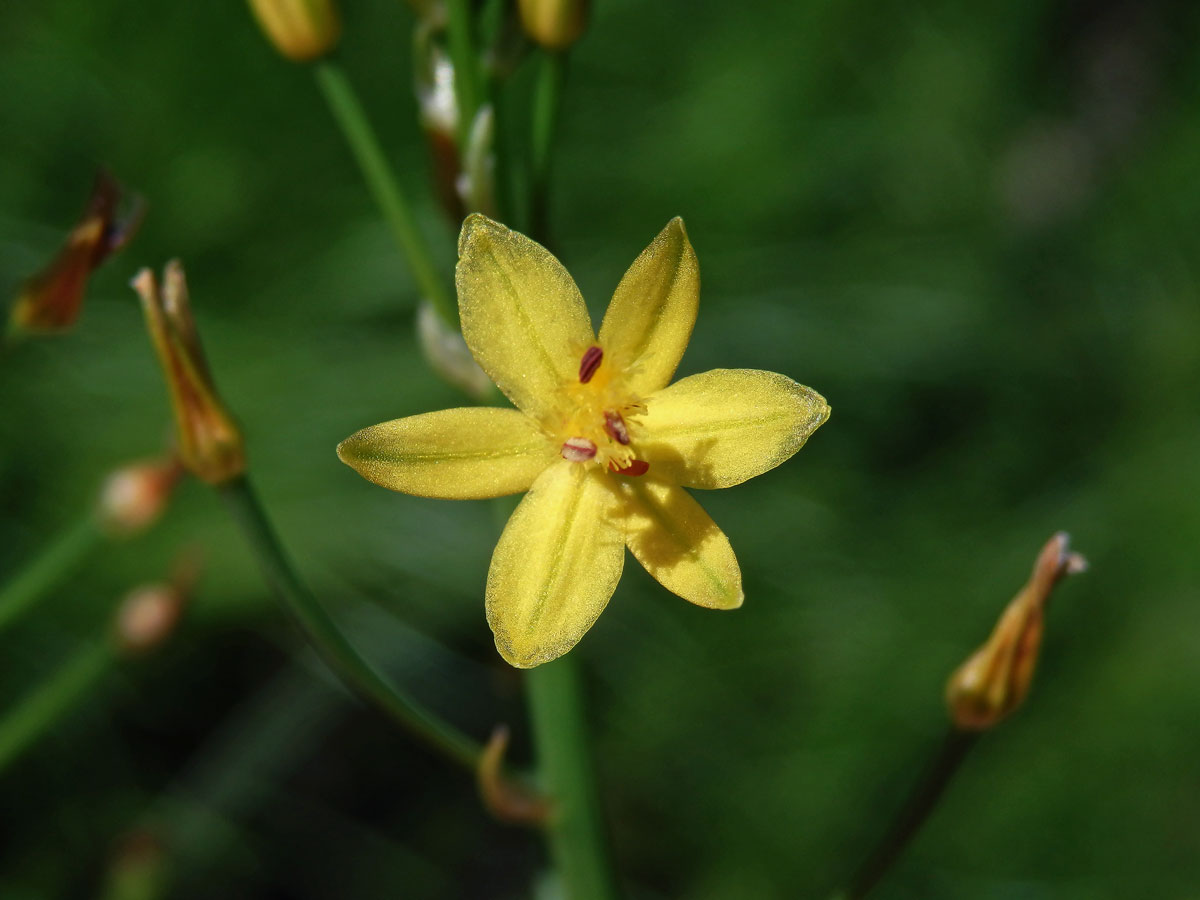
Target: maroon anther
615,426
578,449
633,470
592,358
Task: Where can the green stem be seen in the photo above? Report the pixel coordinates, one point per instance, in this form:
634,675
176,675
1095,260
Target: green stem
56,562
384,186
547,100
24,723
461,32
916,810
328,639
578,845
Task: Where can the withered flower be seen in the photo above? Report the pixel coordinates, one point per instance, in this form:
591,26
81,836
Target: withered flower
209,440
50,301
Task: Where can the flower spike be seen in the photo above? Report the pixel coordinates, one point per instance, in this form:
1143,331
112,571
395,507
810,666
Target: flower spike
602,443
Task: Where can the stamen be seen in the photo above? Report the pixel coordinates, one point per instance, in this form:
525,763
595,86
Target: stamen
615,426
592,358
578,449
633,470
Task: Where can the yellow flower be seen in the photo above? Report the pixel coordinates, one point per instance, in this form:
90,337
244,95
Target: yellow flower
600,441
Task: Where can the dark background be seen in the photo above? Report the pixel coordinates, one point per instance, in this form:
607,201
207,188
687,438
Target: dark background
973,227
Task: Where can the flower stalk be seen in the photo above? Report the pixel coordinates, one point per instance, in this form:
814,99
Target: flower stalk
50,569
575,828
547,101
328,639
381,181
467,88
912,815
32,716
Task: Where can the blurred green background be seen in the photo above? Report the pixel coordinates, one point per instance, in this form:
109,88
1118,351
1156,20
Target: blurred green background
973,227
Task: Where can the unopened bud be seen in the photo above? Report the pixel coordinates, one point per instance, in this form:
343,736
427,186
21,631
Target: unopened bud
134,496
302,30
209,441
505,798
433,79
50,301
995,680
448,355
149,614
477,183
555,24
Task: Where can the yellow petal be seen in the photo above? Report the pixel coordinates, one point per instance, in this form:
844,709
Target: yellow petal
677,542
650,318
522,315
556,565
456,454
719,428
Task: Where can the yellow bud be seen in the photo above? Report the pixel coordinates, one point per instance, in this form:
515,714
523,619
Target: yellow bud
302,30
555,24
50,301
506,799
209,442
995,680
134,496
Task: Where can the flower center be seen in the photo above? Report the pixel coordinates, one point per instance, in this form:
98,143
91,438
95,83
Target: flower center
595,419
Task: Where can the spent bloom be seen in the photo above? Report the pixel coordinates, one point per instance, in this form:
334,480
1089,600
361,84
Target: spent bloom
208,441
50,301
995,679
601,441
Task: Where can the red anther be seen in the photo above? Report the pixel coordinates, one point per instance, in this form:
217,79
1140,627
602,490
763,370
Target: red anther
578,449
615,426
592,358
633,470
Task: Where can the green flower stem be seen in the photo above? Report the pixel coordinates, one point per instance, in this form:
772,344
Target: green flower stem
578,846
461,32
384,186
33,716
329,640
56,562
916,810
547,100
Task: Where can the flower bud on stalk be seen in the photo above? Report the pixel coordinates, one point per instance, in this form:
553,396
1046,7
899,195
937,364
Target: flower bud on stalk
995,680
302,30
555,24
148,615
134,496
50,301
209,441
433,80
